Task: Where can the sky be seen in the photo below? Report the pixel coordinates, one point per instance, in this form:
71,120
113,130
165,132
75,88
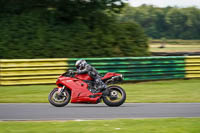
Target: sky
165,3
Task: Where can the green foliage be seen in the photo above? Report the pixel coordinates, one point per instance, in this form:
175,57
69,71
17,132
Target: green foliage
170,22
67,28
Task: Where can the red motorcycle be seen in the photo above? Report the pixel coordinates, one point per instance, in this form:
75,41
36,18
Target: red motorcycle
79,88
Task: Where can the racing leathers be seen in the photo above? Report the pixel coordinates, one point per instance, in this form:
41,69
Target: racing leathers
92,72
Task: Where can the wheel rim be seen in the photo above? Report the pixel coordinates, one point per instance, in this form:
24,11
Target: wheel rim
59,99
115,95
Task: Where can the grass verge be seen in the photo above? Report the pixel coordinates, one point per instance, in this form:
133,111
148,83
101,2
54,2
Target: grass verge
175,45
170,91
175,48
169,125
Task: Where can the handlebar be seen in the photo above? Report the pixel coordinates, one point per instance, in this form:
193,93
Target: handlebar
69,73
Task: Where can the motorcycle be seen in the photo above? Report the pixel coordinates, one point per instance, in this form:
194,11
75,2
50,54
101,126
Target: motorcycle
79,88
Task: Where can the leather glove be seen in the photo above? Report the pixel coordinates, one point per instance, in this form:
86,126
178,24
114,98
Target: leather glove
71,72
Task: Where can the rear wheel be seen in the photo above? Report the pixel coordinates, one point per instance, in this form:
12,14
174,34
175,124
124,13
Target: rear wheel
116,97
59,100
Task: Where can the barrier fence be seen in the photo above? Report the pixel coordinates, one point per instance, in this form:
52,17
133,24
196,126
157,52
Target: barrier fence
46,71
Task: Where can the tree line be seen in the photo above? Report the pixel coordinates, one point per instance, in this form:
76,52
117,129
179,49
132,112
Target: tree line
169,22
67,28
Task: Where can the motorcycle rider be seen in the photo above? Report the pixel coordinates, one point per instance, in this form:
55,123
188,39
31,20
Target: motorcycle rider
83,67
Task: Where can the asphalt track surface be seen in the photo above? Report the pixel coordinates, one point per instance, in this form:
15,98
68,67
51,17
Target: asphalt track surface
45,111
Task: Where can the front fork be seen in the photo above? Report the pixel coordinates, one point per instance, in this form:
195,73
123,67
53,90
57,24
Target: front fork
61,90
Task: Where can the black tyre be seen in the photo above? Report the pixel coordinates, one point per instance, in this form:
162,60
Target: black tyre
59,101
116,97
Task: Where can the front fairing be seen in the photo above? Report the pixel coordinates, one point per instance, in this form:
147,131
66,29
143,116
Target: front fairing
62,80
79,90
71,83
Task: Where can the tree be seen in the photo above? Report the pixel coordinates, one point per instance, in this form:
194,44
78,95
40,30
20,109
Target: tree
67,28
169,22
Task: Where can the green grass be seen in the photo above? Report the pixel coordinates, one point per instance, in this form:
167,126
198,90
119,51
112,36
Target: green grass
170,125
171,91
175,48
175,45
175,41
176,91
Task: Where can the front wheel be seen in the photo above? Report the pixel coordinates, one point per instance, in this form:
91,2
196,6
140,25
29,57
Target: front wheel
116,97
59,100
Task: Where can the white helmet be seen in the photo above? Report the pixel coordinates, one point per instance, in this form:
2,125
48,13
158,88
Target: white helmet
80,64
